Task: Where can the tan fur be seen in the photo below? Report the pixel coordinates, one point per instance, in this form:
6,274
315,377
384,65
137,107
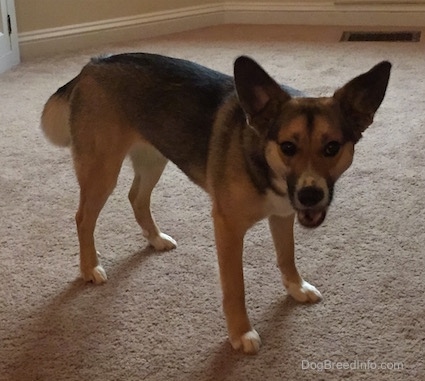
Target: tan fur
55,122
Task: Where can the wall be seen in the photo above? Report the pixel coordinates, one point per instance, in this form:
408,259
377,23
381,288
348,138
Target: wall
44,14
52,26
33,15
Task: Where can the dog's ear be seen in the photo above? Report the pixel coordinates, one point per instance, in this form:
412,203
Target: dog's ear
360,98
255,88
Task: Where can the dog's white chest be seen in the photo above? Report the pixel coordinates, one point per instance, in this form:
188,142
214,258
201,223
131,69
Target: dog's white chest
277,205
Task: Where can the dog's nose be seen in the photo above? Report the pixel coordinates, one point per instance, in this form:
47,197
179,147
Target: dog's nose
310,196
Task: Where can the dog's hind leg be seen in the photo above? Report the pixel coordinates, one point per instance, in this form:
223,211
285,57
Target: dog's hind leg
148,164
97,175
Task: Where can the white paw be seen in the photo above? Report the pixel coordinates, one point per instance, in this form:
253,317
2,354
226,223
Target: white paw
96,275
249,342
162,242
303,292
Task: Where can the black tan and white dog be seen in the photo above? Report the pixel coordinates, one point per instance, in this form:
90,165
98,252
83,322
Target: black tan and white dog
259,149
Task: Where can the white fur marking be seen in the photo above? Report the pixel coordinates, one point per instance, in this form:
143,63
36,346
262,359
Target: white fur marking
278,205
249,342
97,275
162,242
303,292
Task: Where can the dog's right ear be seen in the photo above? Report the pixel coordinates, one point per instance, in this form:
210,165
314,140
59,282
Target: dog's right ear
255,88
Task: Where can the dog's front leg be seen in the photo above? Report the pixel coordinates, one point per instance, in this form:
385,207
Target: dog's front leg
229,235
282,229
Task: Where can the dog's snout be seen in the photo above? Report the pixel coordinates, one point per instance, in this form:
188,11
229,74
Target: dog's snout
310,196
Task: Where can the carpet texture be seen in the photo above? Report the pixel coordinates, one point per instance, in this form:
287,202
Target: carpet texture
159,316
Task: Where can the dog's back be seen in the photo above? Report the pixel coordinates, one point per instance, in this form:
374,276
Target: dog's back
154,95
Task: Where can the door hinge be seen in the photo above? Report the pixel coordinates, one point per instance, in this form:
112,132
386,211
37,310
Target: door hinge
9,25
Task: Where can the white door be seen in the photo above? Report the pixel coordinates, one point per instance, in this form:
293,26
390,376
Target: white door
9,49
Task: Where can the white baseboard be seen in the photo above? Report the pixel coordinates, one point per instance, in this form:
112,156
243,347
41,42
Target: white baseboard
331,13
48,41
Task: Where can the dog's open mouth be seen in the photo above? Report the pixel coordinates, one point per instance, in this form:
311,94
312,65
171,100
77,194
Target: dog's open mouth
311,218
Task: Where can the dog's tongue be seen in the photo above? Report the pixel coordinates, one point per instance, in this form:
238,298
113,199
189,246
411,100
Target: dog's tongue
311,218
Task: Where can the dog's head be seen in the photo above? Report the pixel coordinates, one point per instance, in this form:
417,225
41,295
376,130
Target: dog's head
308,142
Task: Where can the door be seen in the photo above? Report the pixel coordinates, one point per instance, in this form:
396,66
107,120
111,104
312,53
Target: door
9,49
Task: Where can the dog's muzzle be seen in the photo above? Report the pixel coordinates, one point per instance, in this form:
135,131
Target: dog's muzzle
311,212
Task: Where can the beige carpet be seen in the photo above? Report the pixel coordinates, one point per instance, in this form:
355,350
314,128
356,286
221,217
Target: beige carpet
159,316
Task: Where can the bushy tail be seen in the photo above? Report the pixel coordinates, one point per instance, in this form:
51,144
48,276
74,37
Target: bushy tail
55,116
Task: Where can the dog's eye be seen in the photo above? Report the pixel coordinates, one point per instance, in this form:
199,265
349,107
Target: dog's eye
332,149
288,148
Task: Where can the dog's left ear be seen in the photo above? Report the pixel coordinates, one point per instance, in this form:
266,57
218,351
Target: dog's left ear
361,97
255,88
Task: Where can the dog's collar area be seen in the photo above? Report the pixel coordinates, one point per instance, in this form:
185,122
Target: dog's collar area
249,125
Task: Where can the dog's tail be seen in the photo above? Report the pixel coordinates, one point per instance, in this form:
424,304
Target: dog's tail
56,114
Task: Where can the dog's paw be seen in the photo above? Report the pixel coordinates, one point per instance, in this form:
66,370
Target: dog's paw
162,242
303,292
96,275
249,342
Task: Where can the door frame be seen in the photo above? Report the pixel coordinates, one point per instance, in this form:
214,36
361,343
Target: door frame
10,57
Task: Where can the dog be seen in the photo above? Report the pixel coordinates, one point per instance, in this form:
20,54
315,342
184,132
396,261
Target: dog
258,148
